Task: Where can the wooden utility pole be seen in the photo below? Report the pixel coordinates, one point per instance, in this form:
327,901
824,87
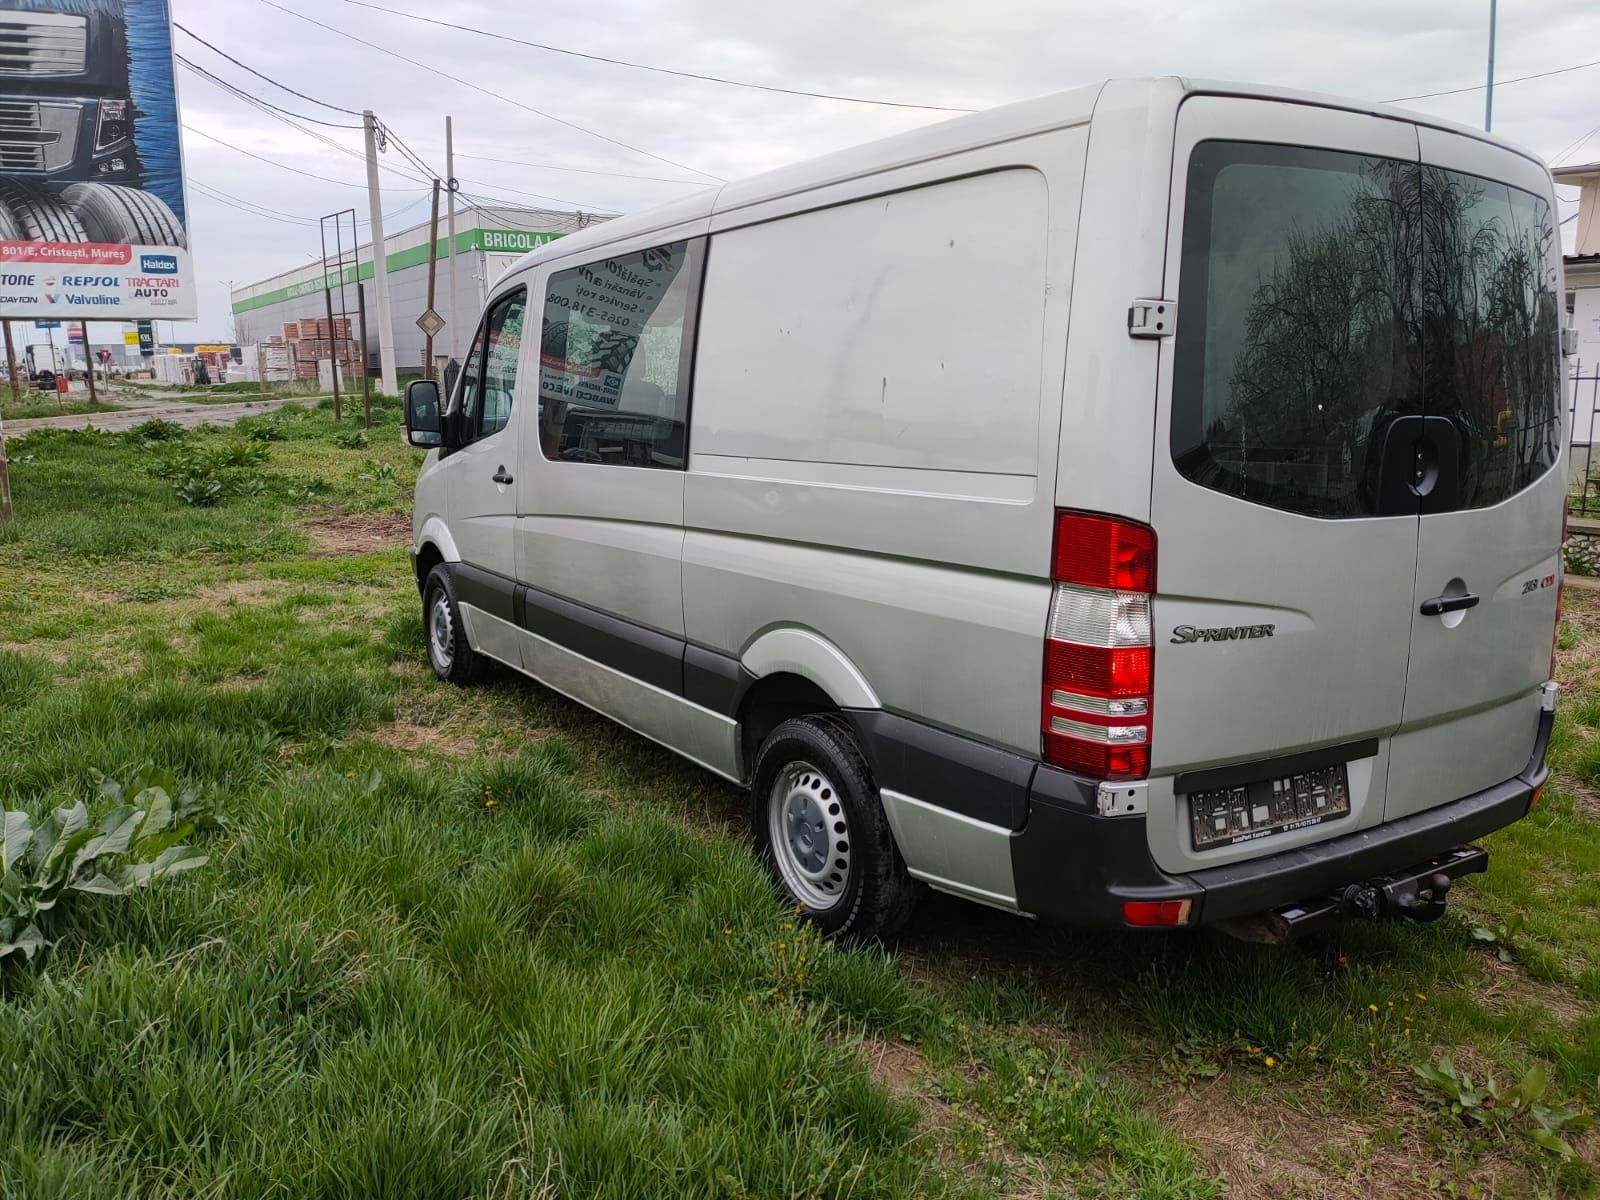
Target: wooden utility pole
88,359
433,274
16,397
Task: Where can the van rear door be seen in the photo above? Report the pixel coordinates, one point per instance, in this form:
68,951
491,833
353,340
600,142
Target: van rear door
1286,560
1489,551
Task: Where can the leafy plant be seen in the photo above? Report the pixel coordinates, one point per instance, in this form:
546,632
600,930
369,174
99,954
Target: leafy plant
377,472
265,431
135,839
239,454
1504,1109
157,430
1500,937
355,439
199,490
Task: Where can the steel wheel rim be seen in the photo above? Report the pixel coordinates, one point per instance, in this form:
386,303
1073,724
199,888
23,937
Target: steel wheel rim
810,835
441,632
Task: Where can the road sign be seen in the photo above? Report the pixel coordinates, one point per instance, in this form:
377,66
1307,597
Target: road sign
47,324
430,323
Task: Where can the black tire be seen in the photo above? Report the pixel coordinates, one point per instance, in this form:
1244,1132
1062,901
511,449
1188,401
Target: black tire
802,761
452,659
124,215
40,216
10,231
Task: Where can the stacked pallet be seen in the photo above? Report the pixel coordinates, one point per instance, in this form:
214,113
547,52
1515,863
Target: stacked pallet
315,339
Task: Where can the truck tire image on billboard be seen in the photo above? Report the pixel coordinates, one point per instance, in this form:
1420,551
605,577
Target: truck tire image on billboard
92,203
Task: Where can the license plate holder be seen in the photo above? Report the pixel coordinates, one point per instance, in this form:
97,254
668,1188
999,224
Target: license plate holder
1263,808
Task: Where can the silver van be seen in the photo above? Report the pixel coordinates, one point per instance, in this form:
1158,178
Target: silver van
1138,507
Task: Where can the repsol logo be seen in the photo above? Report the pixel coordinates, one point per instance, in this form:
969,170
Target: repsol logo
89,281
159,264
1184,634
16,280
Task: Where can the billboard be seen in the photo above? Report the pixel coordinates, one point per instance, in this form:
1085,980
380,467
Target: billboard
92,204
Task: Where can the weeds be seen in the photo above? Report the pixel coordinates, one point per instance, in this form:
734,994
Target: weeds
132,840
1505,1110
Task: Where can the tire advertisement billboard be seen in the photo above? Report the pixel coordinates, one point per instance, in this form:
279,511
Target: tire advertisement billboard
92,204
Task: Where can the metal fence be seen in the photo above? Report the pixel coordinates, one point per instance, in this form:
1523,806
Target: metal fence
1583,413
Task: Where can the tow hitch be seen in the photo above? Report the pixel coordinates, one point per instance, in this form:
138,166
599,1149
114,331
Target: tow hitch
1417,894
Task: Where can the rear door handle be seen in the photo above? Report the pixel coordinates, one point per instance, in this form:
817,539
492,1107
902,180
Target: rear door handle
500,476
1439,605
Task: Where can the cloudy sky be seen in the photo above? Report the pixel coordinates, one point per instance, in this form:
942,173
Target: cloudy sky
929,52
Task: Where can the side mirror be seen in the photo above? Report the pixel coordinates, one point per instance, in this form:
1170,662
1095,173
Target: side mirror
424,415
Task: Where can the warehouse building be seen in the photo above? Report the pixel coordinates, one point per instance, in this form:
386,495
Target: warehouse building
488,240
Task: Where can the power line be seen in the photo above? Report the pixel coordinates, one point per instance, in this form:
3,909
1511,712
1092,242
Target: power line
621,62
247,206
1575,145
418,161
486,91
272,162
515,162
285,87
1498,83
257,101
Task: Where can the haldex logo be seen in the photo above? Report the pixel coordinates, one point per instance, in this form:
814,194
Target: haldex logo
1184,634
159,264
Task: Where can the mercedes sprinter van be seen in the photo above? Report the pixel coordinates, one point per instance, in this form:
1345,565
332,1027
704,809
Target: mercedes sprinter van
1138,507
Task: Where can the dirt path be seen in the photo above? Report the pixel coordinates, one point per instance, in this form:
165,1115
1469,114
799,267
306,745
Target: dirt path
135,411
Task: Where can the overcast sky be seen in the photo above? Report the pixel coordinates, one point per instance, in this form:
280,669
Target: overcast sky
937,52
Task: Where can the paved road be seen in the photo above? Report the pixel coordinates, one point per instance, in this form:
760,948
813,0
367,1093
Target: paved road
137,410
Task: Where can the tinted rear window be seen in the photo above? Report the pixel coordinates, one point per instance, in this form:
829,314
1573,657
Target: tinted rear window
1325,294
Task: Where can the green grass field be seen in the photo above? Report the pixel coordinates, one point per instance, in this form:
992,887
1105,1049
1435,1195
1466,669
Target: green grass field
485,944
47,404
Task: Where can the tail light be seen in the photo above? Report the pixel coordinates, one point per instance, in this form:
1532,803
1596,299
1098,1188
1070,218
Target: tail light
1156,912
1099,659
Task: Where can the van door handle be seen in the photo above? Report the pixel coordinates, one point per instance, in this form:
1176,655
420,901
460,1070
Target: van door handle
1439,605
500,476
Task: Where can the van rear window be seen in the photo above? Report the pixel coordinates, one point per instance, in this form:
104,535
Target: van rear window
1325,294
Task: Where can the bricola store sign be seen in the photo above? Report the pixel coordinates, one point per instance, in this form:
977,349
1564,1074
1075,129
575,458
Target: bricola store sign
93,220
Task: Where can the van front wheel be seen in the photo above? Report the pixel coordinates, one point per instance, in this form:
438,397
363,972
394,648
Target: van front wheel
821,831
452,659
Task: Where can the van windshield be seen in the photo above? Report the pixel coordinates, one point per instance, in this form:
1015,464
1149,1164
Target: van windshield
1326,294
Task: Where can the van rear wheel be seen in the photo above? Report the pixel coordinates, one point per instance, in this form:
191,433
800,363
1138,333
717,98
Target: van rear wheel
821,832
452,659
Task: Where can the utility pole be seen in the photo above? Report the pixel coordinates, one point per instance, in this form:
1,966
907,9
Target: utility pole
433,274
88,360
450,246
1488,100
16,397
380,265
366,375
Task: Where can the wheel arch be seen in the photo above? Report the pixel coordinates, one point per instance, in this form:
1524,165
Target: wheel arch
796,672
434,546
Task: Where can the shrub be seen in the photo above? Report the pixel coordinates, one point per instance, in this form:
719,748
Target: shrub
157,430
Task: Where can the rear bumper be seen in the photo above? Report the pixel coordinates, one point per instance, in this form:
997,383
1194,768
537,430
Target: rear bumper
1072,865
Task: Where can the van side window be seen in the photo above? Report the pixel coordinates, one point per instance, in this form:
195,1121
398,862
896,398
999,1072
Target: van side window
614,358
489,379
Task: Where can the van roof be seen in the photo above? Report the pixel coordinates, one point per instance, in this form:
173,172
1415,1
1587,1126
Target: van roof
1022,119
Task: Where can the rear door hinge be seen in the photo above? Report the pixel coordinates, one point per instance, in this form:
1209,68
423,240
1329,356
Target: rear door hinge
1152,318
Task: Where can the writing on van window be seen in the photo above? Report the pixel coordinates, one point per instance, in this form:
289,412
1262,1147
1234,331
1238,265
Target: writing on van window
612,388
1328,295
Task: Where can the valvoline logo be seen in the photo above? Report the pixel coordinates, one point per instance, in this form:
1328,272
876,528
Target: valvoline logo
159,264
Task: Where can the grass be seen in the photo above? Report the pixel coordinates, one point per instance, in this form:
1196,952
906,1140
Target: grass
40,404
484,943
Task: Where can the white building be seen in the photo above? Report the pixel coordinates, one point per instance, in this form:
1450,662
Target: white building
487,241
